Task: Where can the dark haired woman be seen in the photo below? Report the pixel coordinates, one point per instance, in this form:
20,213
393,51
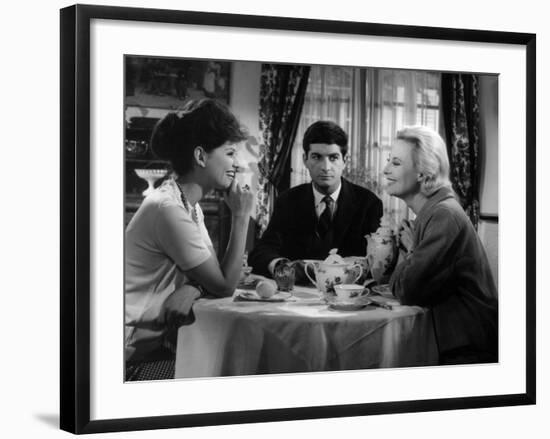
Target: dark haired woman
167,245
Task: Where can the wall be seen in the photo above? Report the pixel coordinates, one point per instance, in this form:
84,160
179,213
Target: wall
488,95
489,178
244,101
245,94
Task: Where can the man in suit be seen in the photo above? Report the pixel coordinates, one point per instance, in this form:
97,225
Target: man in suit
330,212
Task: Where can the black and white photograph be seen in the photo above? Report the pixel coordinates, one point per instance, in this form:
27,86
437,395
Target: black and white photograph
335,218
293,217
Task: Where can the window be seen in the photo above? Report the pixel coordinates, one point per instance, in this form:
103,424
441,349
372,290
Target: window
370,105
330,96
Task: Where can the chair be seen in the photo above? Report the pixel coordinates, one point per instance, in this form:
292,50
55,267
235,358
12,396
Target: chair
160,365
488,234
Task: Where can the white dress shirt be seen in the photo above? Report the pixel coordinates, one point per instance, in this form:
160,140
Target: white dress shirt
320,206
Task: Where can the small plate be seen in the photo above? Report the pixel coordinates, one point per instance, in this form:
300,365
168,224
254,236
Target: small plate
252,296
249,283
349,306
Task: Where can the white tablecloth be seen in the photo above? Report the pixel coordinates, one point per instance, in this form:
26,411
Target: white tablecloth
245,338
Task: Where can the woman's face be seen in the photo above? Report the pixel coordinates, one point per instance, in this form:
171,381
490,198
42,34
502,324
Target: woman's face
221,165
402,177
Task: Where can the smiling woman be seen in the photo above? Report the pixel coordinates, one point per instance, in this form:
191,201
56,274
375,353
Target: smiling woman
169,259
442,263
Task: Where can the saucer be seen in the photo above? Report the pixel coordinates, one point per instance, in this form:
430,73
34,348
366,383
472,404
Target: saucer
249,282
252,296
349,306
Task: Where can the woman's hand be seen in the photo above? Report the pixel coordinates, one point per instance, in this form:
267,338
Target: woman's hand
239,199
176,309
406,236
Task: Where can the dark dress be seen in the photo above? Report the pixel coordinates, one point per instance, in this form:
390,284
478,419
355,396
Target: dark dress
449,272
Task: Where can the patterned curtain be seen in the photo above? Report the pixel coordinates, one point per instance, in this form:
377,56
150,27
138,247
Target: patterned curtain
460,106
282,92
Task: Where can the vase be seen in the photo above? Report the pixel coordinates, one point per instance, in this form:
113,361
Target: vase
381,256
150,176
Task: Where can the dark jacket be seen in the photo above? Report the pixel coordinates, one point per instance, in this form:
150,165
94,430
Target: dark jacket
448,271
292,231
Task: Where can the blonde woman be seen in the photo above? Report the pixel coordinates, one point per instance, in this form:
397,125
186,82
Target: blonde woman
442,263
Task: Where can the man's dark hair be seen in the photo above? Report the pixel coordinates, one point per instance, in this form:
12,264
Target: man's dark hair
328,132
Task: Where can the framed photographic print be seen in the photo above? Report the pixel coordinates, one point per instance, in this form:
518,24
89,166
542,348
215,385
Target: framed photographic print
305,353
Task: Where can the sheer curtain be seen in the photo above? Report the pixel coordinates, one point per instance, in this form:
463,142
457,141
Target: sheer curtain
395,98
329,96
372,105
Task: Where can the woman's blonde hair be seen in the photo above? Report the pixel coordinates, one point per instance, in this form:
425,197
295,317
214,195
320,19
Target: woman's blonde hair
429,156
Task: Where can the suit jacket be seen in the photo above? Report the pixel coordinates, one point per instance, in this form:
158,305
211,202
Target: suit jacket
449,272
293,229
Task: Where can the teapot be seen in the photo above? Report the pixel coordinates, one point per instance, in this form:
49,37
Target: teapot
381,253
332,272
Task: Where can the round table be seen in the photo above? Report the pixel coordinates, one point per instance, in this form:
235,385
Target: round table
302,334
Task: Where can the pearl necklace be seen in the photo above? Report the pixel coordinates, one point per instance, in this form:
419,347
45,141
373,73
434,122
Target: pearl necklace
187,205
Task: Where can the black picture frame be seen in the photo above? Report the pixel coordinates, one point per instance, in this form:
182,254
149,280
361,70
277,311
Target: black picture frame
75,217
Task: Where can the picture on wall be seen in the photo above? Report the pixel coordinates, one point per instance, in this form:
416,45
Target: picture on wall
158,82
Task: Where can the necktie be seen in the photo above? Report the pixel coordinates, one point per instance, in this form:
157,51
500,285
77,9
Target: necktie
325,220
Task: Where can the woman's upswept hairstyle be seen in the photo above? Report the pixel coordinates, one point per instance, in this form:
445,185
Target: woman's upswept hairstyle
206,123
429,156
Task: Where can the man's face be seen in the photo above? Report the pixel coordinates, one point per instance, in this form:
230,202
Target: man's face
325,165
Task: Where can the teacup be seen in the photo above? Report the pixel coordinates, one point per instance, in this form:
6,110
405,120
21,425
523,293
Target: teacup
348,294
284,275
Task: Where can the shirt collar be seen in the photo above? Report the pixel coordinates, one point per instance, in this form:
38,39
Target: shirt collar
439,195
318,196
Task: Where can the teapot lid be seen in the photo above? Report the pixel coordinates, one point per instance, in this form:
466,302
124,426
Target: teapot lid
334,258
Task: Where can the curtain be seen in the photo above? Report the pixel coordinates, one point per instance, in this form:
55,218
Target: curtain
370,105
282,93
394,99
460,107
